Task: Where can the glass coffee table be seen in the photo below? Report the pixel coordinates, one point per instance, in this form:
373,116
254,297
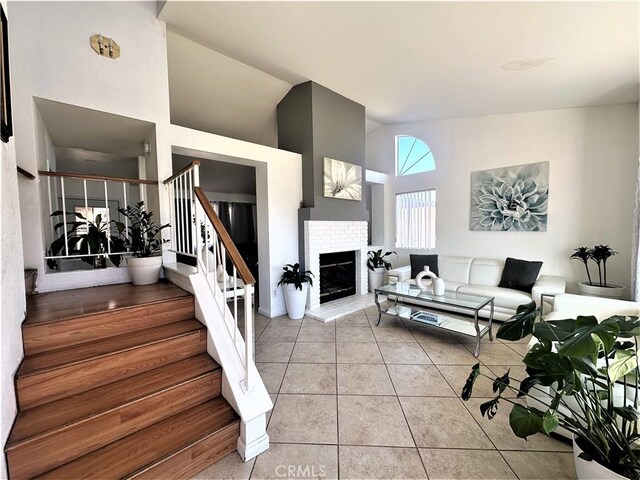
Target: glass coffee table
402,297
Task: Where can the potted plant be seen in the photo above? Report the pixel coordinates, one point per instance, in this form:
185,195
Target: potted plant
377,266
295,284
583,378
599,255
89,241
141,239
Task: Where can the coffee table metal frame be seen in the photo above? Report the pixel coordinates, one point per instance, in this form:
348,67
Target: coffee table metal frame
433,302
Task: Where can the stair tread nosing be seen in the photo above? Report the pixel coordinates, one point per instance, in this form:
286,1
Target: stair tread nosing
142,449
41,362
63,305
55,415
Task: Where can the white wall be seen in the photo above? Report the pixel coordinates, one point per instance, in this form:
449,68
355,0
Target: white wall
12,303
278,192
134,85
593,167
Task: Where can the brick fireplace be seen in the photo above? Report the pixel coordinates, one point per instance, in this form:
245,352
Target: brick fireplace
322,237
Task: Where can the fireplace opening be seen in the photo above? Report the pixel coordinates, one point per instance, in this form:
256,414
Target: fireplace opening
337,275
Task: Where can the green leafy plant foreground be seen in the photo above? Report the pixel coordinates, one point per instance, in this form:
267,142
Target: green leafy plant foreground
589,367
293,275
84,239
140,236
376,259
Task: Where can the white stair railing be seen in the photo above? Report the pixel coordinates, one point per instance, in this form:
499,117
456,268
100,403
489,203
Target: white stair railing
197,232
81,198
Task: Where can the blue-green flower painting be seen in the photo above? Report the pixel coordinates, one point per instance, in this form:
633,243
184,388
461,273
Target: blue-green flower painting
510,198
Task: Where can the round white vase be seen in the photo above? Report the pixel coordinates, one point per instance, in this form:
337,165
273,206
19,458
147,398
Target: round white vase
610,291
592,470
424,284
376,278
295,300
144,271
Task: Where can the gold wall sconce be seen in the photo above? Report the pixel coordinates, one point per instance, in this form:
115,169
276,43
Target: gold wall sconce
105,46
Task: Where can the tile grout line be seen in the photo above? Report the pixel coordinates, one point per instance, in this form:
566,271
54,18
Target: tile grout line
413,438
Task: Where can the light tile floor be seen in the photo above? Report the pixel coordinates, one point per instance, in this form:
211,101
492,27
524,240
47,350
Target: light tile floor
354,400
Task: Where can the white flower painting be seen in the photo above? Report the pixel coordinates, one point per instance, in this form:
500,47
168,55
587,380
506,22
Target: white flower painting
510,198
342,180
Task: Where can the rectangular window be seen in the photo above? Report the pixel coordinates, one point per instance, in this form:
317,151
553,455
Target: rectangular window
416,220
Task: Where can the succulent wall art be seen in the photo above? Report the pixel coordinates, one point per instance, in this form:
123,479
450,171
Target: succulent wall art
510,198
342,179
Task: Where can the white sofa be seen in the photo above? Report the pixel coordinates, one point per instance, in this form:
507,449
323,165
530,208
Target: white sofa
481,276
572,306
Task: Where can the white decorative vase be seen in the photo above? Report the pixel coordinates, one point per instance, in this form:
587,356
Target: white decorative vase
376,278
592,470
436,284
438,287
423,283
610,291
144,271
295,300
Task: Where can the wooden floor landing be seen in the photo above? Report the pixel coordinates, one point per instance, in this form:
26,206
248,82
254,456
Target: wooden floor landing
57,306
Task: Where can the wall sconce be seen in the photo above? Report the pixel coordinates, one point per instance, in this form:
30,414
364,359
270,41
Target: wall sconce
105,46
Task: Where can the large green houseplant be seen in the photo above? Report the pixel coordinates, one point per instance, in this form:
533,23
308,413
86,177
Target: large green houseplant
590,369
377,265
295,284
599,255
140,236
89,241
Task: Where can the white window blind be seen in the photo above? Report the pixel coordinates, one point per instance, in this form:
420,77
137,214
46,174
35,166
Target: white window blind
416,220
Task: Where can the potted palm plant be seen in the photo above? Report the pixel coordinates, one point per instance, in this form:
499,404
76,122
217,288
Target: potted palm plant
87,240
295,284
582,377
141,239
377,266
599,255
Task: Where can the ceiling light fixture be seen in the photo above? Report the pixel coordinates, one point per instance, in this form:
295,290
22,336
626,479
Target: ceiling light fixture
525,64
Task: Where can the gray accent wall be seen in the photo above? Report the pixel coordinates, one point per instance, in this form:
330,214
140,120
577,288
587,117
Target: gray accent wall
316,123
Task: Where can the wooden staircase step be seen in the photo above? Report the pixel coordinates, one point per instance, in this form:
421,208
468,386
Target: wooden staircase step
162,446
50,376
54,415
133,407
60,319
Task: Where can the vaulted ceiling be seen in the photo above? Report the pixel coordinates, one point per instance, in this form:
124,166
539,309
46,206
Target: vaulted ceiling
231,62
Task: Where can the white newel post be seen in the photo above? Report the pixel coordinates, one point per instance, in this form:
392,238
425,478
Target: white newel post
253,439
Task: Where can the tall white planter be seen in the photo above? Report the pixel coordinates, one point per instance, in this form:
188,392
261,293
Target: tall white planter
592,470
376,278
144,271
295,300
610,291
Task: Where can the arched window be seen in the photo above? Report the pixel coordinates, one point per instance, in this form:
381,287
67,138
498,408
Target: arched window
412,156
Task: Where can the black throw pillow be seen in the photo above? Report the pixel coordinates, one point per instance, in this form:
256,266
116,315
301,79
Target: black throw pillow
418,262
519,274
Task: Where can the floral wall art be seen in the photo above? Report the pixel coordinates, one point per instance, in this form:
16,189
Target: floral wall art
342,179
510,198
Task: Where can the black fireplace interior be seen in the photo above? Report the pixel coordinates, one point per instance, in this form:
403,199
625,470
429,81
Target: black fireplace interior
337,275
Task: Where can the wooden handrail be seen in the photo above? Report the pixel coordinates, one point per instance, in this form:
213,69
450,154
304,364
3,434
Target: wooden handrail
232,250
90,176
25,173
182,170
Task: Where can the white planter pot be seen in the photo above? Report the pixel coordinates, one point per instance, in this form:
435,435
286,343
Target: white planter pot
295,300
592,470
610,291
376,278
144,271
